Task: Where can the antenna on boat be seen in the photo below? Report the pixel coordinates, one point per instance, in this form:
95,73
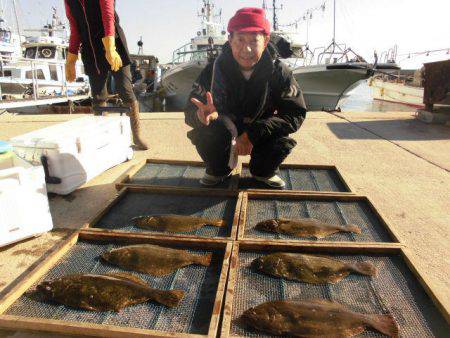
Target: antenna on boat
56,25
208,15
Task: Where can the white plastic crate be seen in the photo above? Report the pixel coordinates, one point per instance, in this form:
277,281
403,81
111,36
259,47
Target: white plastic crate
75,151
24,208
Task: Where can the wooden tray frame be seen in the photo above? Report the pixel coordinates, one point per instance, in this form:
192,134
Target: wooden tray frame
332,248
125,178
174,191
349,191
37,271
292,195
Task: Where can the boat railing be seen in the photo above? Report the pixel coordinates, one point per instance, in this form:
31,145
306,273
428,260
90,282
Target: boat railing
306,58
185,53
337,53
32,89
182,54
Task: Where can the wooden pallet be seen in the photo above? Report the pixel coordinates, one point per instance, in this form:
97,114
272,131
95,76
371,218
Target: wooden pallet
347,188
171,191
328,249
38,271
300,196
125,180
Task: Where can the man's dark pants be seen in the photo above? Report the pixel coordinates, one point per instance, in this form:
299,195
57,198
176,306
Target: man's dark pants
122,81
213,144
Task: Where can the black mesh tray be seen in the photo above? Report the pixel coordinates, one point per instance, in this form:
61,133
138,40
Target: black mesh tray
171,173
197,314
331,208
135,201
396,290
301,177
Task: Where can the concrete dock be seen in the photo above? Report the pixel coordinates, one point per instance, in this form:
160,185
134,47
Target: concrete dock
400,163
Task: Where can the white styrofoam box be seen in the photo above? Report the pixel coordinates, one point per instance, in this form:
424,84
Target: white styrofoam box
75,171
24,208
77,150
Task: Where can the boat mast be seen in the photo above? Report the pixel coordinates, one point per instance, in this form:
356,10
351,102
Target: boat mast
334,21
16,17
274,9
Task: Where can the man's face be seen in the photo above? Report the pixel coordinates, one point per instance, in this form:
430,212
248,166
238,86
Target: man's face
247,48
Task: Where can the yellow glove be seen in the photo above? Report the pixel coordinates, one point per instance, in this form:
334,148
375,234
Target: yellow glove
71,60
112,56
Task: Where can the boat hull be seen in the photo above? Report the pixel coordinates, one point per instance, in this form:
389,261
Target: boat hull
178,82
397,92
322,85
17,88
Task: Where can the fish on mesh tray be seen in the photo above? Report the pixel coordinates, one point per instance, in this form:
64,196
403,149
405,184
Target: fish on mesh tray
304,227
310,268
108,292
175,223
315,318
153,259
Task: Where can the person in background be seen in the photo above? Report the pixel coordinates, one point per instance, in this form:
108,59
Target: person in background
94,26
245,103
136,74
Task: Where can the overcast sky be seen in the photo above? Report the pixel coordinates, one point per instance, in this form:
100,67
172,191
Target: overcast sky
363,25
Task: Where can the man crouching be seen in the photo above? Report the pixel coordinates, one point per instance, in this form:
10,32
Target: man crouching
245,103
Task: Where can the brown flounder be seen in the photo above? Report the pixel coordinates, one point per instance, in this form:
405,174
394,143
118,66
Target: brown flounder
175,223
153,259
109,292
315,318
309,268
304,227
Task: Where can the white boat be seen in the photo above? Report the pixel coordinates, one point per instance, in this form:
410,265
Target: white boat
40,72
10,41
327,75
397,90
189,60
404,86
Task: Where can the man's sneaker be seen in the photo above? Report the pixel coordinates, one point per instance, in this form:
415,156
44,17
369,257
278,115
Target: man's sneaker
211,180
275,181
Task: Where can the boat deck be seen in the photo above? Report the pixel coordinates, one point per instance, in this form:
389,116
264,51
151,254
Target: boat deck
19,103
400,163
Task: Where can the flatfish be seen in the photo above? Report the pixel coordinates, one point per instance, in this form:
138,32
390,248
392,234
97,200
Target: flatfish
175,223
108,292
153,259
309,268
315,318
304,227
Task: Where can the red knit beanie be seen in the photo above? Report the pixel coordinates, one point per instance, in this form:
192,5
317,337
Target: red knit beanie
249,19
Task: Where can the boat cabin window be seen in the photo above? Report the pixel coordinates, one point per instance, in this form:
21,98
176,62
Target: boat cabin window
39,74
46,52
5,36
30,52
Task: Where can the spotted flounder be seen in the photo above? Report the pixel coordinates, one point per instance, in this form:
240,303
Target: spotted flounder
153,259
309,268
109,292
315,318
175,223
304,227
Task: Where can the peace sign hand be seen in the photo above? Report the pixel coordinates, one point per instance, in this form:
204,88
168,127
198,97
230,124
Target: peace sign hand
206,112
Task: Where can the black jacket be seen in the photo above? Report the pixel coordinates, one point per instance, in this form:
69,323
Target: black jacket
90,27
269,104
